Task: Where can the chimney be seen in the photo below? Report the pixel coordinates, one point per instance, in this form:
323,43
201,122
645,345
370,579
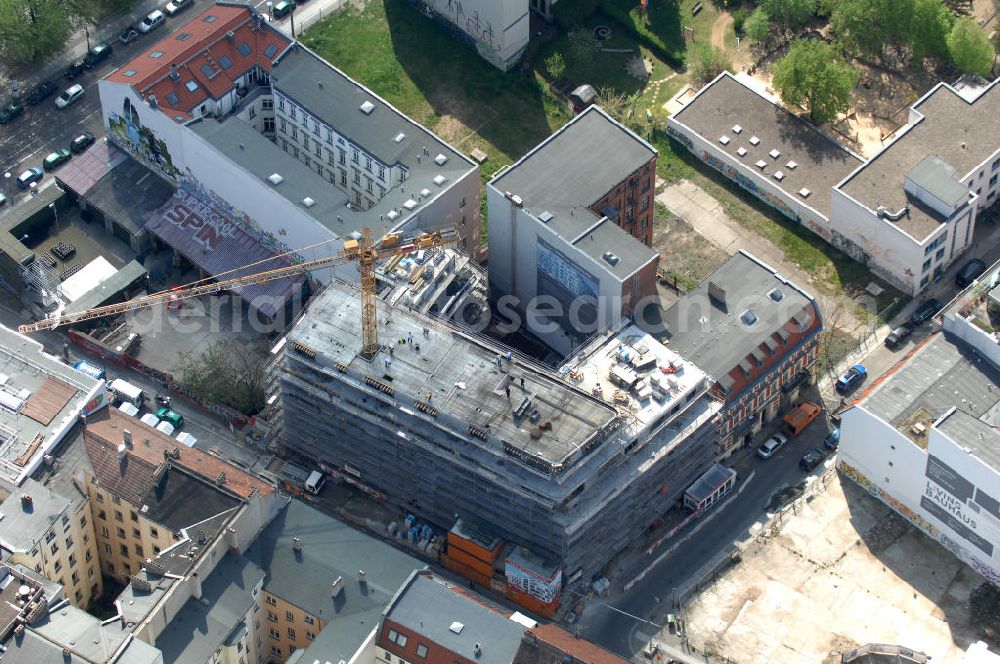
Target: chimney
202,537
26,502
127,438
477,649
122,453
195,586
174,74
337,586
221,479
362,577
717,293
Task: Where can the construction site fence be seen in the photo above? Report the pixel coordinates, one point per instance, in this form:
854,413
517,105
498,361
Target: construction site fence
170,384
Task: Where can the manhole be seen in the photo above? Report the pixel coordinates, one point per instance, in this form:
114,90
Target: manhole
602,33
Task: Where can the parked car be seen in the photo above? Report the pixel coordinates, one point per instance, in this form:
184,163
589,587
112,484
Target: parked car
811,459
10,112
898,336
128,35
33,174
283,8
97,55
832,440
56,159
74,70
175,6
852,378
772,445
969,272
82,142
925,311
41,92
153,20
175,419
799,418
70,95
3,200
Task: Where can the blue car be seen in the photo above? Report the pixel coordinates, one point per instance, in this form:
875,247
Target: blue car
852,378
33,174
832,440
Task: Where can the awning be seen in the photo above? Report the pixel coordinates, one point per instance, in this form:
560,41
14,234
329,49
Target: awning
210,240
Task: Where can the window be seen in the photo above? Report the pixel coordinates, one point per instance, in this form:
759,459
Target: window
393,635
281,103
295,133
54,548
309,635
342,156
319,149
291,633
357,177
270,600
65,521
343,179
316,126
644,203
309,620
305,142
87,556
272,616
354,155
107,548
939,255
83,521
329,135
289,616
269,125
116,500
307,160
154,533
283,124
136,534
401,641
368,182
993,180
292,112
265,103
252,112
121,533
75,577
927,265
156,550
275,634
69,542
138,550
99,497
270,51
57,566
284,145
996,165
381,172
102,515
368,164
123,549
462,204
119,516
421,650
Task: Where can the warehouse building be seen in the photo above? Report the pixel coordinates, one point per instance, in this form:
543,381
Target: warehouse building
561,467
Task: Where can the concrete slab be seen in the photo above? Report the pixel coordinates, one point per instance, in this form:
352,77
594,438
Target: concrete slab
816,589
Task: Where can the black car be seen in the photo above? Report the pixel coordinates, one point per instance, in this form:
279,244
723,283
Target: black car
97,55
74,70
41,92
898,336
128,35
811,459
925,311
9,112
82,142
969,272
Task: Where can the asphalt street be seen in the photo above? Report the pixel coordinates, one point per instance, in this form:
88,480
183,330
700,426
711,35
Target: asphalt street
621,623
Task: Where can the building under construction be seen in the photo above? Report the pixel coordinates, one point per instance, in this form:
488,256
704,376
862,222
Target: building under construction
545,473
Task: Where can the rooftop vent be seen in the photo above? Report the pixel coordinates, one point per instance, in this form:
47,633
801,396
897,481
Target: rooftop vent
610,257
439,179
25,500
410,204
791,165
776,295
425,192
231,36
716,292
308,202
174,74
545,217
754,140
275,179
296,544
724,140
319,84
457,627
741,152
391,215
367,107
440,160
337,586
737,129
779,176
774,154
399,137
804,193
748,317
761,164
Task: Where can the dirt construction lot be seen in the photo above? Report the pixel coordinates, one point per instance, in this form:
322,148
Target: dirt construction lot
843,571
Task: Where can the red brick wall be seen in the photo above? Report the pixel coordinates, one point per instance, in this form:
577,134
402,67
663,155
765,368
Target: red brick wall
644,286
436,654
629,196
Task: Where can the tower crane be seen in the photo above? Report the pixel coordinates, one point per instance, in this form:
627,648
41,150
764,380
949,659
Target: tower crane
365,250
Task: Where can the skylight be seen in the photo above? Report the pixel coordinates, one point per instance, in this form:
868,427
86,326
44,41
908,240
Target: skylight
156,54
367,107
748,317
184,36
172,99
270,51
210,18
207,70
225,62
191,86
129,73
244,49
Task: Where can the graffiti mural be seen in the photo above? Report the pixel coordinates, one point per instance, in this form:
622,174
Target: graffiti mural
730,172
859,478
127,132
680,137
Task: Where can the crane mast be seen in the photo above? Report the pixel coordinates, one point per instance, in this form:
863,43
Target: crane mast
365,250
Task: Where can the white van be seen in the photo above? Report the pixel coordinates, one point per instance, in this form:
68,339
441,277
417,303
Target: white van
126,391
152,21
315,482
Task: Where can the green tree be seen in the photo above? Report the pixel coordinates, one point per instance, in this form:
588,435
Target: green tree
31,31
929,27
815,75
758,26
705,62
583,48
618,105
740,17
970,48
555,66
228,374
866,26
790,14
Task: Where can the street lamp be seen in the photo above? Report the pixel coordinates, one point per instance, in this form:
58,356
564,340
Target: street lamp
270,9
6,176
55,213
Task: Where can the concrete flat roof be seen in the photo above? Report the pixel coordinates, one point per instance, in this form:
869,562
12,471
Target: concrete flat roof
972,433
960,132
820,162
458,372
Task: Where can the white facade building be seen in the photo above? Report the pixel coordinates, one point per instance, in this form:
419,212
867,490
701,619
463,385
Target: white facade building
906,213
924,441
498,29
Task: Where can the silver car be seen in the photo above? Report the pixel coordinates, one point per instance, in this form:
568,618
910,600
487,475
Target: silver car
772,445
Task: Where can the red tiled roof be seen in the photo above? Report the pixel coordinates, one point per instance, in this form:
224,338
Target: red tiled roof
580,649
149,445
207,43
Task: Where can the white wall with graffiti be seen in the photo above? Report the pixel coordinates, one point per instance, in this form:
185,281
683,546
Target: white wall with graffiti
950,494
499,28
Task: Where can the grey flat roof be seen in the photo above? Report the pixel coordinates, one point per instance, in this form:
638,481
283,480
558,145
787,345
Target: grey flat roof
130,193
973,434
86,635
428,605
940,375
939,179
201,626
607,236
73,460
27,367
820,161
21,527
961,133
459,371
713,478
714,337
330,548
335,98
